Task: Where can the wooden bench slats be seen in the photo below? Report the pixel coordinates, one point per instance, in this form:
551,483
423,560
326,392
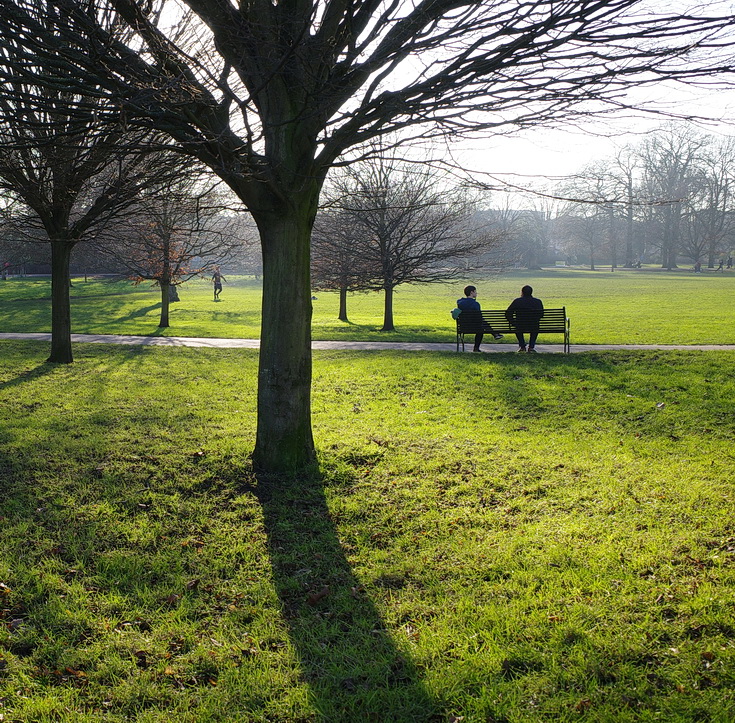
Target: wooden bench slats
553,321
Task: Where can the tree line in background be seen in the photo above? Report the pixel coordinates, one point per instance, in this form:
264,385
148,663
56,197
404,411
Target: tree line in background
668,200
383,221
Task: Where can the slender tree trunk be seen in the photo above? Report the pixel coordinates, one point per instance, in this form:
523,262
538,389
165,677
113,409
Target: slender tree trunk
629,229
284,441
612,233
388,310
343,303
60,306
711,254
165,303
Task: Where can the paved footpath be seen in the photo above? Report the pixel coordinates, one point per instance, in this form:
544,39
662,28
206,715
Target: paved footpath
353,345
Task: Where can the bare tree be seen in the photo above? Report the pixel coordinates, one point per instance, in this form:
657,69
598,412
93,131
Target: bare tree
172,233
401,224
586,220
67,160
271,93
670,168
709,217
335,263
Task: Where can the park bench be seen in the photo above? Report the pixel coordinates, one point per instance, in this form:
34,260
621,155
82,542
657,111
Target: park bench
553,321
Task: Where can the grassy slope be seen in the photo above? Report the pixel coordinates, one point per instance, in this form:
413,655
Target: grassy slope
622,307
504,539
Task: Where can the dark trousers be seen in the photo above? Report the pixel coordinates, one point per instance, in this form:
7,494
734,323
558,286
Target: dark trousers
486,329
532,336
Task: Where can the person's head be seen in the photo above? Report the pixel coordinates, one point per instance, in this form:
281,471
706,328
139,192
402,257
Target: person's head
470,291
526,291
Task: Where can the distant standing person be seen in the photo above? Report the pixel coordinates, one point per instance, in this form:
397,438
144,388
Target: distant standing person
524,314
217,279
470,303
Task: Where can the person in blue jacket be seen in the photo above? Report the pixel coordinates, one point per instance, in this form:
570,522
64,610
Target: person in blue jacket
523,315
470,303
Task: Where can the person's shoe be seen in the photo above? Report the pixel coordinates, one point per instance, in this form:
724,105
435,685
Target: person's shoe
477,351
497,337
531,350
522,350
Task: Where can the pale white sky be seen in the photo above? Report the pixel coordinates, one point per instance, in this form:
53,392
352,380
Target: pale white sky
562,152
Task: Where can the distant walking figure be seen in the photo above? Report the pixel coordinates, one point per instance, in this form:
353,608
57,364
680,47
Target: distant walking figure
470,303
721,266
523,315
217,279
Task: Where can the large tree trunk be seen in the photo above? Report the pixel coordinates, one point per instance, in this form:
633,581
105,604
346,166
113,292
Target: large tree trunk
60,307
388,310
284,441
343,304
165,302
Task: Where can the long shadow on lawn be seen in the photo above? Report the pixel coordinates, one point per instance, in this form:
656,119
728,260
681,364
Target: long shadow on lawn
353,668
29,375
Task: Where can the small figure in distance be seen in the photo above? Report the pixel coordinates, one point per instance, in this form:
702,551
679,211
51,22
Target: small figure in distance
217,280
729,262
721,266
470,303
524,314
698,267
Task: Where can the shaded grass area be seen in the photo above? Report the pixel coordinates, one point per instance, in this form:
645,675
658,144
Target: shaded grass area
499,538
624,307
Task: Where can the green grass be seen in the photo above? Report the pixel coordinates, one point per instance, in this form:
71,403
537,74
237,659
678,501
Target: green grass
494,538
625,307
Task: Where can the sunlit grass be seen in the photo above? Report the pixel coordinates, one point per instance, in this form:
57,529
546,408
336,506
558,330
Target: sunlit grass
605,308
495,537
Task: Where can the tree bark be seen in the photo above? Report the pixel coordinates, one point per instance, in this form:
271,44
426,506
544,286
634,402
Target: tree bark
343,304
388,310
165,303
60,306
284,441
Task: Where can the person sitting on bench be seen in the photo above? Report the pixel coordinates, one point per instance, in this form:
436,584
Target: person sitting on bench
470,303
523,315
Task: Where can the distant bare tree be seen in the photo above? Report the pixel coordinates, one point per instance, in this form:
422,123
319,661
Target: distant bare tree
670,160
179,230
585,221
401,224
335,262
709,216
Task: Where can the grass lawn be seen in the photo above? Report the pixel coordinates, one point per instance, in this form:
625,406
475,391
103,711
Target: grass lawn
625,307
492,538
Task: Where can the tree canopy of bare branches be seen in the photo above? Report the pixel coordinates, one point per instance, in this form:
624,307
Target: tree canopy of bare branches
270,94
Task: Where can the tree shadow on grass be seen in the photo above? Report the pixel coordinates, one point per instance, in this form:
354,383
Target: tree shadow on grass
137,313
353,668
29,375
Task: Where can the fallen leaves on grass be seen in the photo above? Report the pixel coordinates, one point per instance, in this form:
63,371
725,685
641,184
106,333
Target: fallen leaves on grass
315,597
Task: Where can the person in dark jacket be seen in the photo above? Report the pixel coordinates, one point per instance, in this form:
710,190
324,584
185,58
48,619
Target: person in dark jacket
523,315
470,303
